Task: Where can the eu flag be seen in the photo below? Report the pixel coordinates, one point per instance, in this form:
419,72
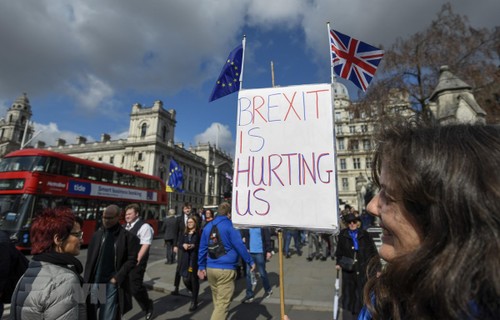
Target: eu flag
176,177
229,78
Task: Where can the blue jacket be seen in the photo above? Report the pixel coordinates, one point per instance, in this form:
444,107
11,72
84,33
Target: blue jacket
231,239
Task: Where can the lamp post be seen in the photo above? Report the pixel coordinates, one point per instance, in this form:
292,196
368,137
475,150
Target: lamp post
137,168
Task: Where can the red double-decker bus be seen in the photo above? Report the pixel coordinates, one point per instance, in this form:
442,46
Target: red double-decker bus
34,179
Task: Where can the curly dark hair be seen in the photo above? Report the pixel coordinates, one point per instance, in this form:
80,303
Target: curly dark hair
448,179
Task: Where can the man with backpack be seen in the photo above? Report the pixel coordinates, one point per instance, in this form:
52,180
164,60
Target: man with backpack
220,247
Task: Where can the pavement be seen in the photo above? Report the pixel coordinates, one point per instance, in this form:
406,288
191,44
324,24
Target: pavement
309,286
309,290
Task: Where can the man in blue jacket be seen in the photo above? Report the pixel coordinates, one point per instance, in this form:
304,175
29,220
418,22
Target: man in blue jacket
221,271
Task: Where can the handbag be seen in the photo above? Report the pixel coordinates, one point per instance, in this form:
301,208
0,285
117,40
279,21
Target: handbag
346,263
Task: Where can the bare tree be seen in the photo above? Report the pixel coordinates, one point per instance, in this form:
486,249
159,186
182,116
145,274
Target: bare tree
412,64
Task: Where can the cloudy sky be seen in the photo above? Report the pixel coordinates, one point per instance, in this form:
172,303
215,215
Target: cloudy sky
84,63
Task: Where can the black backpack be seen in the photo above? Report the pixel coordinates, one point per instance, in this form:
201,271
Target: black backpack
215,246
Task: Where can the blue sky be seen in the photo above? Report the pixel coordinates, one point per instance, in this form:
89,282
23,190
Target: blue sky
84,63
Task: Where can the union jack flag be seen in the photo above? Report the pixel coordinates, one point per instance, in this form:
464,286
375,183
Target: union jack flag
354,60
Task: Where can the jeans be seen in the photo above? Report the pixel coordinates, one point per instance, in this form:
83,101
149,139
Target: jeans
109,308
314,245
288,238
260,263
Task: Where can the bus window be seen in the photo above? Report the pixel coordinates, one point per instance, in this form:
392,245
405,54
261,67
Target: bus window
107,176
54,165
40,164
89,172
70,169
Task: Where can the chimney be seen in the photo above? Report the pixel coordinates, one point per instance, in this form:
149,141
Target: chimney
61,142
81,140
105,137
40,144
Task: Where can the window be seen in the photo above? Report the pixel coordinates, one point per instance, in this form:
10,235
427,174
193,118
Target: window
354,145
356,162
341,145
366,144
164,133
338,116
338,129
139,156
364,128
343,165
111,159
352,129
345,183
144,128
368,163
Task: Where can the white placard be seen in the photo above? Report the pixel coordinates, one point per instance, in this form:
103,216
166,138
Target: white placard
284,169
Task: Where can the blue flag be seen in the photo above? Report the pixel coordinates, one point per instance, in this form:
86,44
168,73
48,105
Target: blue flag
229,78
176,177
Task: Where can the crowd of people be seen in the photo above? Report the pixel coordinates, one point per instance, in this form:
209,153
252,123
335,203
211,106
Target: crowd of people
437,206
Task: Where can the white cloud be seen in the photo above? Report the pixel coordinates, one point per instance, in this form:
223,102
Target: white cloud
49,133
217,134
92,93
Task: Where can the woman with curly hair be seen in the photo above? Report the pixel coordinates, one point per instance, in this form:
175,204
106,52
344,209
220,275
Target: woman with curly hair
51,287
439,209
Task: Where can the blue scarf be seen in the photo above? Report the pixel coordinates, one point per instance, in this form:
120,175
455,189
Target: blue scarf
354,237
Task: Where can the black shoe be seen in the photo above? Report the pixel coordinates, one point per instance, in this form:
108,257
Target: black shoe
193,306
149,312
299,253
309,259
248,299
175,292
323,258
288,256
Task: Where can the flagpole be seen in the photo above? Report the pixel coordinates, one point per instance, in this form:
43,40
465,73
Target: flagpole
332,74
243,42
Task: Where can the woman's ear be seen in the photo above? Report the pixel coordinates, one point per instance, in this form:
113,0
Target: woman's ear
57,241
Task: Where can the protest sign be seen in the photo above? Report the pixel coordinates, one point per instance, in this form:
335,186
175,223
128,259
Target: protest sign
284,169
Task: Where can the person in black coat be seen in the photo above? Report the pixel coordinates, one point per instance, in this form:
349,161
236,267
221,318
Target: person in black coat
12,266
355,243
111,255
181,226
188,265
170,225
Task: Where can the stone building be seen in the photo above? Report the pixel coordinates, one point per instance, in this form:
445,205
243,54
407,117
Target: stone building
453,101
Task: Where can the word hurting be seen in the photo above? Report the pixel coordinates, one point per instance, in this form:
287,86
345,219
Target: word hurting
260,173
